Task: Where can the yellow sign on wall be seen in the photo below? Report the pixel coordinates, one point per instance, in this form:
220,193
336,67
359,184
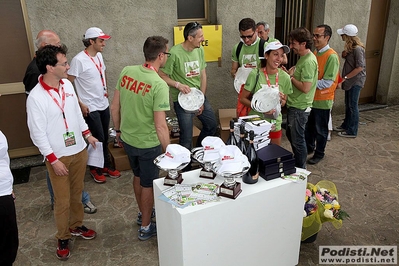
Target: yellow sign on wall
212,41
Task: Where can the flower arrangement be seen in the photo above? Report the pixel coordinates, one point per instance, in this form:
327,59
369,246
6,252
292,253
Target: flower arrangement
321,205
327,195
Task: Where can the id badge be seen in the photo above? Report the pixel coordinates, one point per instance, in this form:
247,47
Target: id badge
69,139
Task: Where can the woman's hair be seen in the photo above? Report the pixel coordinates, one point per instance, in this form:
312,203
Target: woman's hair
351,42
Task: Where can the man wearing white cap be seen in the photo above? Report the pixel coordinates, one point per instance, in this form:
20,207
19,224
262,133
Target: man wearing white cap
88,73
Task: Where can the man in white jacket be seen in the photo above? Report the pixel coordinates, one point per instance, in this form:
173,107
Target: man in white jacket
58,129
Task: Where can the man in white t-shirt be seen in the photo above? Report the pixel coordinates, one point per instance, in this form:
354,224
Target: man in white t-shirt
88,73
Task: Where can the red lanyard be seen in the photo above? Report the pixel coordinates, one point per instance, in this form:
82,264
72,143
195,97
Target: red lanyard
62,105
150,67
99,68
267,78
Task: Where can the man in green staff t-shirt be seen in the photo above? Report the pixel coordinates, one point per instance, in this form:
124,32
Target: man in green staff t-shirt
299,103
138,112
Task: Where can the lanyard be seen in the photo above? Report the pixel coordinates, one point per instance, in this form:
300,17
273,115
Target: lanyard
62,105
99,68
150,67
267,78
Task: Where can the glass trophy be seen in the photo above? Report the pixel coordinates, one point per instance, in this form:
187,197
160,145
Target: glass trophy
206,171
174,127
230,187
174,176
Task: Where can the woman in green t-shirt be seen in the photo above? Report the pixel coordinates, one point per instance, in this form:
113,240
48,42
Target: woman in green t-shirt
269,75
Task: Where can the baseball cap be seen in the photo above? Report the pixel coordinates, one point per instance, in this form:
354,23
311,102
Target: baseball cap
232,160
211,147
350,30
174,156
95,32
277,45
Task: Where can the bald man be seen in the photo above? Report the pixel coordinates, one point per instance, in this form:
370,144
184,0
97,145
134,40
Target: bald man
49,37
44,37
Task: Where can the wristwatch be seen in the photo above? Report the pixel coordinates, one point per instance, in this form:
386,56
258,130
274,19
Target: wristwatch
346,77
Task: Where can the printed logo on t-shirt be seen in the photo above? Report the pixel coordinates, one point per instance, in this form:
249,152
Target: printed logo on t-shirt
249,61
192,69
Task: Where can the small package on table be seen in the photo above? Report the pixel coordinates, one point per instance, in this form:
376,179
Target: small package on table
275,161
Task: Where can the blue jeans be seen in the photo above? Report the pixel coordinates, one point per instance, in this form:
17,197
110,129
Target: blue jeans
85,195
98,122
296,123
317,131
351,121
207,118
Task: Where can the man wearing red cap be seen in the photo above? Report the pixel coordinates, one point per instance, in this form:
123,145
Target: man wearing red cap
88,73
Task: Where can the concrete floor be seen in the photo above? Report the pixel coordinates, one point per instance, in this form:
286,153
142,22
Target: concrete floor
364,170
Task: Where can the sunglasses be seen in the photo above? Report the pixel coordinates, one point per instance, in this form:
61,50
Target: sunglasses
247,37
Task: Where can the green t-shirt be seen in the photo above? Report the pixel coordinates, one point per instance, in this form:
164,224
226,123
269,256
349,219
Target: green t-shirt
306,71
142,92
185,67
284,83
331,69
249,55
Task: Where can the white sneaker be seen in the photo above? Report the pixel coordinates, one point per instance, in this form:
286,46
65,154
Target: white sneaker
89,208
329,135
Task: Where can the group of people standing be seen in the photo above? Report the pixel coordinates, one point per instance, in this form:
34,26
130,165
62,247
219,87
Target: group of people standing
308,88
68,108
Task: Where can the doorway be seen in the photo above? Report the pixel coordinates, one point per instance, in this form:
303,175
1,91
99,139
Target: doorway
375,42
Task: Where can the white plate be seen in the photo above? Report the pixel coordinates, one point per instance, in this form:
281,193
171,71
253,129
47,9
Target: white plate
265,99
191,101
241,77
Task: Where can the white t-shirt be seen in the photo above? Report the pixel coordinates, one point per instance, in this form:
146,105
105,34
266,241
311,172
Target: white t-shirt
88,82
6,179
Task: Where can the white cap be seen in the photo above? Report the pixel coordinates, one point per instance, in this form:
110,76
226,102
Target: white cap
95,32
275,46
350,30
232,160
211,147
175,155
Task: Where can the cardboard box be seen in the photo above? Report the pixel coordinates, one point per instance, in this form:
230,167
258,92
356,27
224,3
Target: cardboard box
121,162
118,158
196,133
225,115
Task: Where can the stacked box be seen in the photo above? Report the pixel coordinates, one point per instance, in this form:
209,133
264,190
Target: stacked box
260,127
275,161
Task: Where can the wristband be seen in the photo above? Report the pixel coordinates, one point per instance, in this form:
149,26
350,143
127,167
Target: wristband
177,85
117,131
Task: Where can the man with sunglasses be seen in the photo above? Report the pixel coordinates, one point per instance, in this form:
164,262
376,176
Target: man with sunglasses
87,72
317,126
138,110
185,69
246,54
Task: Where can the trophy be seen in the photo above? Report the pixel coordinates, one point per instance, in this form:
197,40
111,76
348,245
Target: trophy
206,171
174,125
172,161
230,187
232,165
